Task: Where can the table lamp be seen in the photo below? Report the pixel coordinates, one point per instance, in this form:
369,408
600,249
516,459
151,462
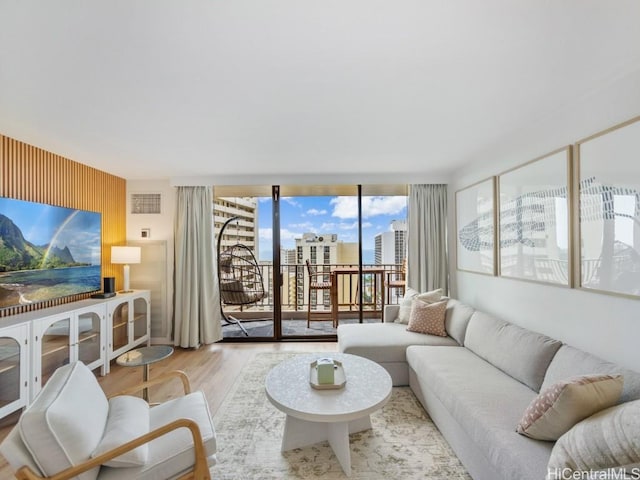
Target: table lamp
126,256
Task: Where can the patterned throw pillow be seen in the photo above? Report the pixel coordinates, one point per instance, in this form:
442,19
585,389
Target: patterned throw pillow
605,441
559,407
428,318
409,298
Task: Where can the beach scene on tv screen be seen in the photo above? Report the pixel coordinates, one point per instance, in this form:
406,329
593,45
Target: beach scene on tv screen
47,252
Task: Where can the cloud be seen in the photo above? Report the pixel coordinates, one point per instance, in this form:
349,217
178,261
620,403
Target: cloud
315,211
347,207
306,226
265,233
291,201
348,226
285,234
332,226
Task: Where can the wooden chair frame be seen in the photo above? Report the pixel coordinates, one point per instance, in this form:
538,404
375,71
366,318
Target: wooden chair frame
317,282
199,471
397,279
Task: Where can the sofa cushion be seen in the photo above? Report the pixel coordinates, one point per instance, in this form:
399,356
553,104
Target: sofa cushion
570,362
486,403
383,342
457,318
521,353
560,406
128,419
428,318
171,454
608,439
411,296
65,423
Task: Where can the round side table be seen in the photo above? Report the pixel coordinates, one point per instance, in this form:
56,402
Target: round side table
143,357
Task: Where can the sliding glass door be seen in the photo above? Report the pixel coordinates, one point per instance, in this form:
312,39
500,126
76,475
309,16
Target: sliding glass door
244,263
325,256
318,234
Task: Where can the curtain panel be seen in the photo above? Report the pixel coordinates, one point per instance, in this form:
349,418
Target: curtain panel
427,259
197,317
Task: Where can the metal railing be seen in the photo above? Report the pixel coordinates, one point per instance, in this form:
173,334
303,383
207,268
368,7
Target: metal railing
295,285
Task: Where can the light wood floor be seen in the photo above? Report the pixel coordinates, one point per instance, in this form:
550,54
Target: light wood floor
212,369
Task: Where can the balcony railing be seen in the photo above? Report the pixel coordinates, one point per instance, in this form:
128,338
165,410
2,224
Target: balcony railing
295,284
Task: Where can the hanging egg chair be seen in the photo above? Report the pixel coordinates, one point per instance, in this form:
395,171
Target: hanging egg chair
239,277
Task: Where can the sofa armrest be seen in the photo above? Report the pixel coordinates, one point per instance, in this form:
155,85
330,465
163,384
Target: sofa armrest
200,469
158,380
391,313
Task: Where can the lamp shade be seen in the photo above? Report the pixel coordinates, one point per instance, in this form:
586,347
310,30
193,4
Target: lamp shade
126,255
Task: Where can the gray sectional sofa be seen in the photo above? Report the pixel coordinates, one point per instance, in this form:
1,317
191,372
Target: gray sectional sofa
477,382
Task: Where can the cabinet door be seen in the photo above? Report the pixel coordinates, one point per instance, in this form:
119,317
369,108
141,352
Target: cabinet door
13,369
53,345
90,336
140,319
120,326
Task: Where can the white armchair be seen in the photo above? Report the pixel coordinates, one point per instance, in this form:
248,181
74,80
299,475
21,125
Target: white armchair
72,430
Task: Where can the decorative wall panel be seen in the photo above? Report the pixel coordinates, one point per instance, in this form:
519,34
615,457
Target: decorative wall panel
475,221
534,220
609,216
30,173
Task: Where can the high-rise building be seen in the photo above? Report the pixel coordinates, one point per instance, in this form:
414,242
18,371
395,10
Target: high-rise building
390,246
289,269
322,251
245,229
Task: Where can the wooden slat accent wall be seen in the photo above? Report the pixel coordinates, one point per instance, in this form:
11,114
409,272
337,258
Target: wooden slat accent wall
30,173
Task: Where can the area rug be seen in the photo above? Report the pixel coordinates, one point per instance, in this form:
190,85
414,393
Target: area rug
403,443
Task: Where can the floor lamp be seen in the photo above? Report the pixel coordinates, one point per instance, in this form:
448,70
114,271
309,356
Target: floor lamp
126,256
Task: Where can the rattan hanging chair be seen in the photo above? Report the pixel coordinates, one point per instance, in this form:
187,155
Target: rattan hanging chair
239,276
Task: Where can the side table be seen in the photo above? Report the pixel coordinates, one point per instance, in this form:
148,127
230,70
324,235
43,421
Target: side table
143,357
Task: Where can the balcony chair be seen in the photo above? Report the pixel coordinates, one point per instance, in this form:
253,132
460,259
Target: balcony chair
72,430
317,282
396,279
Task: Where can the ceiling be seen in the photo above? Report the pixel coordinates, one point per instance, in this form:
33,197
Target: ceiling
150,89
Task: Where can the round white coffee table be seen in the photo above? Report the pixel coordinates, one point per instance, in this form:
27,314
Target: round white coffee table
317,415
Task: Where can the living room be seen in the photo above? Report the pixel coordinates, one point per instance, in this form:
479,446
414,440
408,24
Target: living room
364,94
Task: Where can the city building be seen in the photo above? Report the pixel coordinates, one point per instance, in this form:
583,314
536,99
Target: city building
244,230
390,246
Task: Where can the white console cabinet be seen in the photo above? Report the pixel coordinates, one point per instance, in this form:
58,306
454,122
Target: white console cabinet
66,337
95,331
14,368
129,319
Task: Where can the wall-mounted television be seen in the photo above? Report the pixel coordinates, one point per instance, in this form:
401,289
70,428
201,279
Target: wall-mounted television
47,252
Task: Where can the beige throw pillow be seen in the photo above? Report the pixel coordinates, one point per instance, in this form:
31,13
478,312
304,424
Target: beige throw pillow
560,406
428,318
410,296
128,419
610,439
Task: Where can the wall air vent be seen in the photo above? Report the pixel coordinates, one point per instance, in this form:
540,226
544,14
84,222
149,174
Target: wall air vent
145,203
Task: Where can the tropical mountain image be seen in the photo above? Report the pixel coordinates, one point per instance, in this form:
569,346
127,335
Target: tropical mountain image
16,253
47,252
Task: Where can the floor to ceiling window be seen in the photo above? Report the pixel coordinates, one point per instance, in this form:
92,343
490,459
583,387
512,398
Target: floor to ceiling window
321,225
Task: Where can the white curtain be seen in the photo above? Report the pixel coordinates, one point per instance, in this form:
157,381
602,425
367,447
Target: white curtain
197,296
427,265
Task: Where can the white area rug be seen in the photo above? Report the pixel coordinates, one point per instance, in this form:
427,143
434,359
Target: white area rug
403,444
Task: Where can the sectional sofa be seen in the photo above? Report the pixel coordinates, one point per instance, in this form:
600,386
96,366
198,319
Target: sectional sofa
476,382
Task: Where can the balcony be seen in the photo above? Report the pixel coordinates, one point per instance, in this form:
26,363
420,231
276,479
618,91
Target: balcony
294,295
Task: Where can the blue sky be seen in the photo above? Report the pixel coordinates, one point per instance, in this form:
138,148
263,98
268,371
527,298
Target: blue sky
323,215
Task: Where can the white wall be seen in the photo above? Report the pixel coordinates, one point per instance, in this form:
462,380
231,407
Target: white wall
606,325
160,226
